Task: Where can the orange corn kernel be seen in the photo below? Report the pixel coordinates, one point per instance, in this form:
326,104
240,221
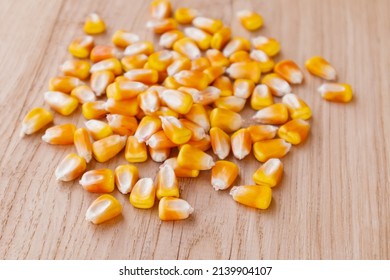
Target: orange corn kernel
109,64
173,209
94,110
193,158
142,47
223,174
159,155
262,132
274,148
243,88
135,151
277,84
35,120
147,76
70,168
294,131
266,64
168,38
244,70
60,134
241,143
250,20
336,92
159,140
221,38
94,24
149,102
100,53
176,100
83,94
200,37
180,171
125,177
159,61
179,65
98,129
167,184
297,108
232,103
122,38
214,72
98,181
160,9
175,130
318,66
76,68
261,97
200,64
124,90
239,56
198,115
207,96
61,102
268,45
203,144
193,79
160,26
208,24
216,58
253,196
185,15
171,83
225,85
124,107
235,45
83,144
147,127
273,114
198,132
270,173
290,71
104,208
122,125
107,148
64,84
187,47
220,142
100,81
226,120
143,194
81,47
134,62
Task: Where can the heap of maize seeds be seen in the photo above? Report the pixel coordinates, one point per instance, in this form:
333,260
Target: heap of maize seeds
188,96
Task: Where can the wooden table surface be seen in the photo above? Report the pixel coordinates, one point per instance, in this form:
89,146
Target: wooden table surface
333,202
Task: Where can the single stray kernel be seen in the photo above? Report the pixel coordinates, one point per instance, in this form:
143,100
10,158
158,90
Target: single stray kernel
274,148
336,92
94,24
223,174
172,209
98,181
250,20
125,177
253,196
270,173
35,120
294,131
143,194
290,71
104,208
71,167
60,134
318,66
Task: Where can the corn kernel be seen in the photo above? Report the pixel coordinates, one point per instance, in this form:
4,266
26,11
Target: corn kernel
100,53
60,134
165,111
123,38
185,15
35,120
261,97
175,130
179,65
203,144
240,56
320,67
98,129
135,151
297,108
81,47
61,102
226,120
160,9
192,158
262,132
159,140
253,196
290,71
200,64
250,20
98,181
83,94
94,110
147,76
223,174
220,142
216,58
125,177
122,125
64,84
207,96
273,114
125,90
232,103
214,72
274,148
83,144
107,148
109,64
124,107
294,131
225,85
159,155
134,61
221,38
143,194
193,79
76,68
142,47
336,92
268,45
243,88
187,47
270,173
94,24
245,70
198,115
277,84
178,101
198,132
71,167
168,38
266,64
167,184
100,81
235,45
149,101
103,209
172,209
241,143
147,127
200,37
160,26
159,61
180,171
207,24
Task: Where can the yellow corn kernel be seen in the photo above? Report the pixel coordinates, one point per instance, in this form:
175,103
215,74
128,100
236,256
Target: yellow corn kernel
98,129
160,9
243,88
159,155
36,119
200,37
274,148
294,131
83,144
320,67
160,26
336,92
277,84
171,83
81,47
159,61
104,208
221,38
147,127
124,107
59,134
100,81
135,151
83,94
61,102
126,176
178,101
107,148
70,168
266,64
223,174
100,53
123,38
290,71
187,47
109,64
122,125
270,173
268,45
250,20
225,85
214,72
226,120
149,101
261,97
240,56
168,38
143,194
167,184
159,140
203,144
76,68
124,90
216,58
180,171
142,47
193,158
198,132
175,130
98,181
241,143
173,209
185,15
273,114
134,62
179,65
94,24
208,24
262,132
147,76
94,110
193,79
235,45
207,96
232,103
220,142
297,108
165,111
64,84
198,115
253,196
244,70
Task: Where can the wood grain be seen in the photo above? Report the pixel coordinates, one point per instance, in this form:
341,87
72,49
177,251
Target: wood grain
333,202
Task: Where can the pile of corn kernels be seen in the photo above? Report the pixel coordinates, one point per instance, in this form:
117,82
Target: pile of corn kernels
188,96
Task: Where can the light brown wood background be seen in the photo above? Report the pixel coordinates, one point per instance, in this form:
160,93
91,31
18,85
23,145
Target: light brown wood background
333,202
